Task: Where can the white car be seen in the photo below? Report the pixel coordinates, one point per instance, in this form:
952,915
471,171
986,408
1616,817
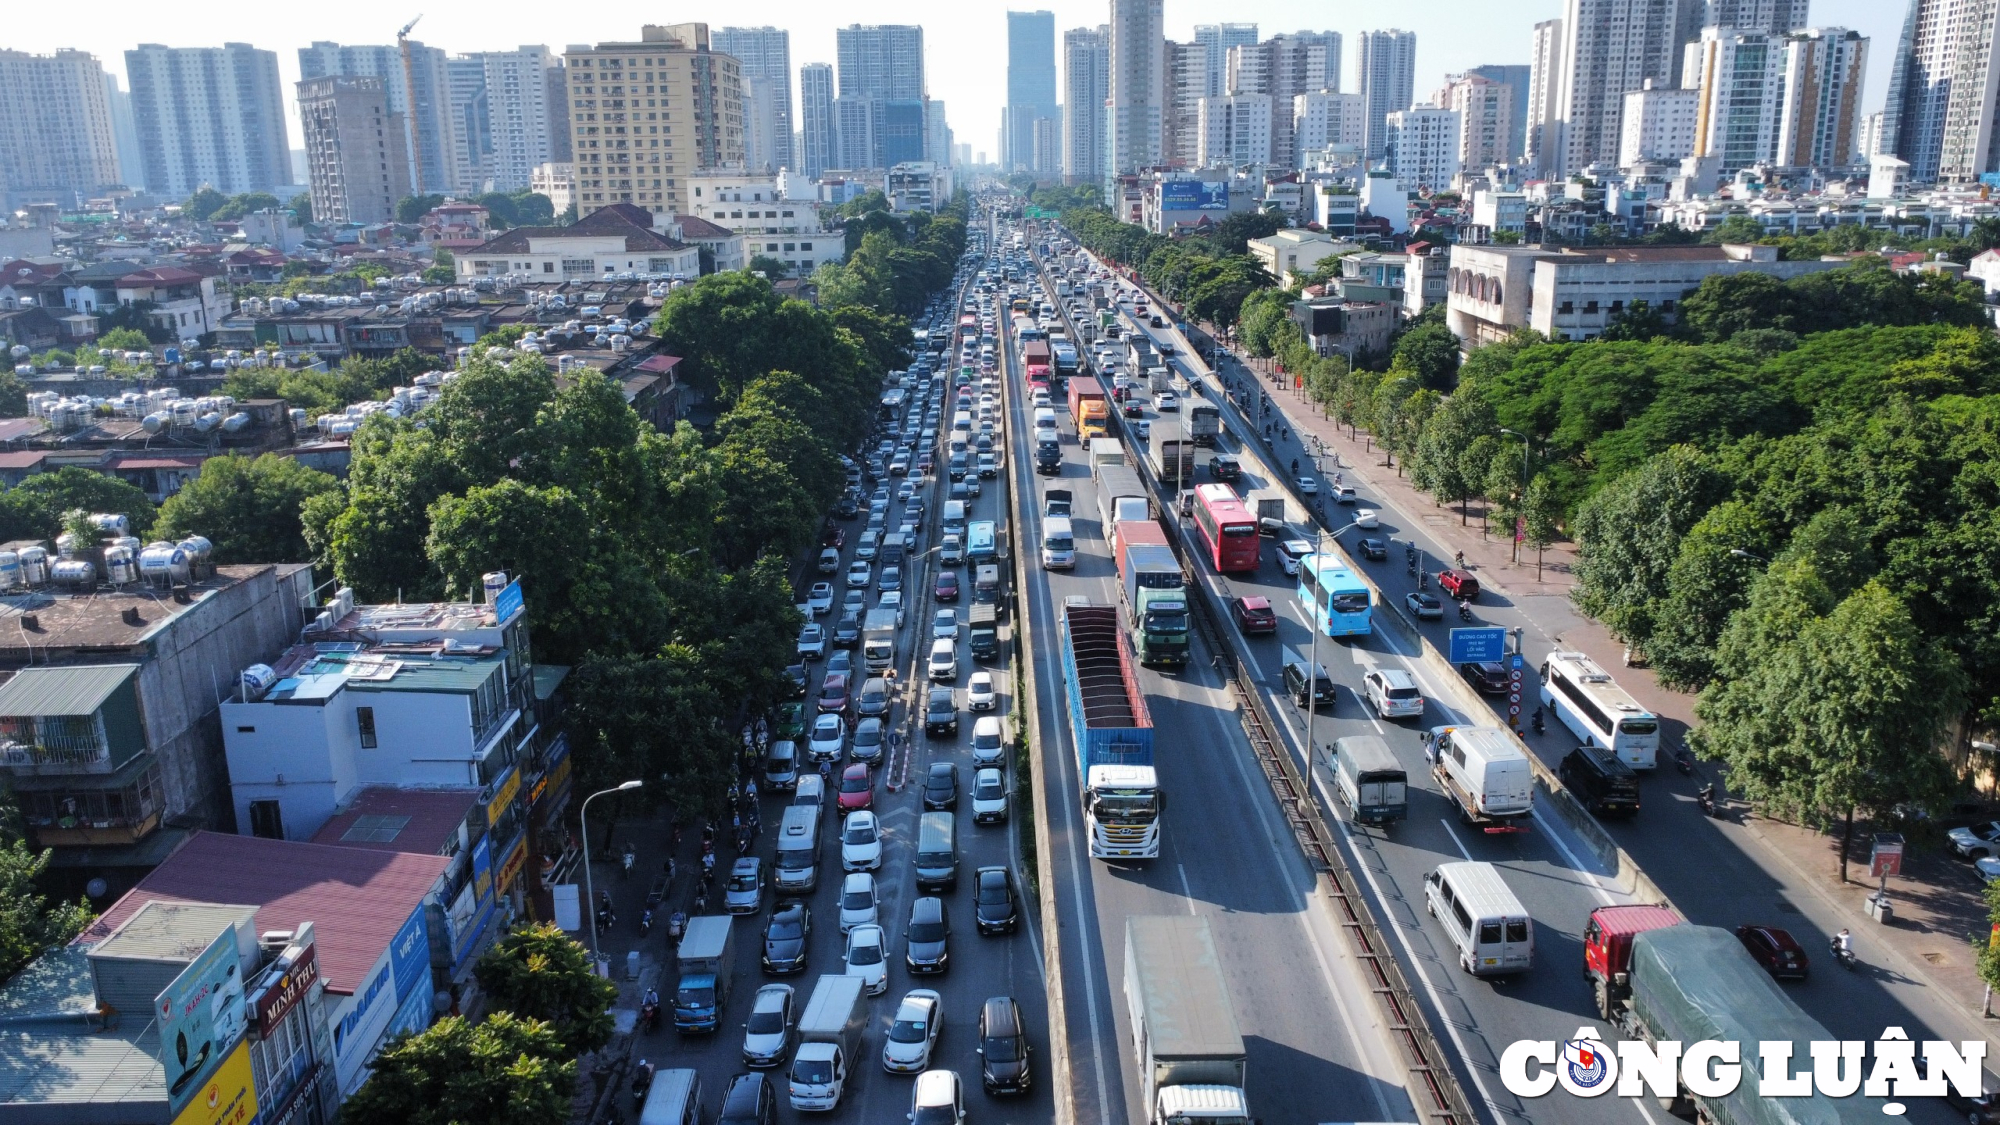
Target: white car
914,1034
1142,429
1367,518
979,692
768,1035
1167,402
859,574
937,1099
812,642
828,740
867,957
819,599
1977,840
854,602
943,663
860,842
1394,693
1988,868
1290,552
891,599
944,625
1308,486
989,796
860,905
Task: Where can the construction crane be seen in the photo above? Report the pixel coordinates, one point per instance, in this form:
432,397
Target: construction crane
410,108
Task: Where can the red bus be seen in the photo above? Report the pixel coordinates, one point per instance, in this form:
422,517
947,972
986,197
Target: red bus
1228,532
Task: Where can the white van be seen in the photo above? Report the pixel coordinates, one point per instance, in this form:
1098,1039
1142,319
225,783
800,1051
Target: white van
1045,418
1487,767
1058,543
674,1098
1490,928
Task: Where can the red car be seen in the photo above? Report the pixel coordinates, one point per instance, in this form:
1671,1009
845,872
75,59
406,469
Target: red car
1774,949
833,694
1458,584
947,586
1255,615
833,537
857,788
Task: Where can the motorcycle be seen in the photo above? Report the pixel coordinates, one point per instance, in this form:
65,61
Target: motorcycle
628,859
1423,580
1539,726
1843,954
1704,799
1684,760
642,1076
606,918
1465,611
677,924
646,922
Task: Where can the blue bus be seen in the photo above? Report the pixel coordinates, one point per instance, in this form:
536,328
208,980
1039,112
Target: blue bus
1333,592
981,541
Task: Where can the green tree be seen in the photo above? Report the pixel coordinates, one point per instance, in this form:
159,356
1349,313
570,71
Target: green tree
1735,229
302,206
1629,534
1824,707
250,509
540,973
410,208
504,1070
1541,517
30,925
1430,351
768,266
204,202
13,395
35,508
653,717
124,340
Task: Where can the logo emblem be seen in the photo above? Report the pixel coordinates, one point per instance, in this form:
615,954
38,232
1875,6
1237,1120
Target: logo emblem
1586,1065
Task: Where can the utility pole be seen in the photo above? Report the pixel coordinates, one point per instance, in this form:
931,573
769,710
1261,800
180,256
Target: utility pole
410,106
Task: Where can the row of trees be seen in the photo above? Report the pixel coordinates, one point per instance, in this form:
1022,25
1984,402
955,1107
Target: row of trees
208,205
1211,274
894,262
503,208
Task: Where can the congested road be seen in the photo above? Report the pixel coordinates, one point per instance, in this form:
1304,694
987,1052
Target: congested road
1317,1050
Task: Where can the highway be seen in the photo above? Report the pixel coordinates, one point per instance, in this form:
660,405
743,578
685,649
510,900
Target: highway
980,967
1708,869
1316,1046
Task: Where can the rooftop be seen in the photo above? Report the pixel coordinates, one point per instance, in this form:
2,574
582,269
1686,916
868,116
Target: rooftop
419,821
68,690
55,1049
35,623
315,672
356,898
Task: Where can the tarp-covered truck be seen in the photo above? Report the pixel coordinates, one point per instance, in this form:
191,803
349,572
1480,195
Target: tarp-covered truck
1191,1058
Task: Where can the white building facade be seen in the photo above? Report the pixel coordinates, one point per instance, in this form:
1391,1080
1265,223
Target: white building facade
1235,130
1659,124
1422,146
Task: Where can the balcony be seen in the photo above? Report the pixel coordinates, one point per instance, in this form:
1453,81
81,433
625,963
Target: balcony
79,755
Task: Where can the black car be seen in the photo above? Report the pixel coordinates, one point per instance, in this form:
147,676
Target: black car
848,508
1003,1047
929,936
795,676
1225,467
941,786
749,1101
1605,785
994,902
785,939
847,633
1374,550
941,713
1489,676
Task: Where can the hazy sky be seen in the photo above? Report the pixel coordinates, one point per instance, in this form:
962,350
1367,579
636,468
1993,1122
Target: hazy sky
965,43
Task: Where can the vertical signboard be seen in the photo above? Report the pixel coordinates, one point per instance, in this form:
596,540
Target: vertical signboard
227,1097
410,954
201,1018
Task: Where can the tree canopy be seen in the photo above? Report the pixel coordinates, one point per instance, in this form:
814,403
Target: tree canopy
249,509
504,1070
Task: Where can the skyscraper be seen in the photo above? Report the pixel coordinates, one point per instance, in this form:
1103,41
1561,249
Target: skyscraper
765,54
427,118
1486,118
1421,146
670,67
1233,130
209,115
1187,83
1610,47
1031,87
1324,119
1777,16
1741,77
1086,83
1135,98
503,118
937,134
1541,138
355,149
817,135
1283,67
1216,39
57,138
131,165
1388,77
1516,78
1940,112
883,64
1820,122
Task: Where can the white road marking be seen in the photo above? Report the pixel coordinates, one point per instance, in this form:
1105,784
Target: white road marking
1455,841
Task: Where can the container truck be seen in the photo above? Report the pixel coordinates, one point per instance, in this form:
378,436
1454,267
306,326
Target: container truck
1173,461
1662,980
1037,361
1113,484
1128,509
1089,408
1150,581
878,639
829,1043
1106,451
706,967
1113,733
1192,1064
1204,424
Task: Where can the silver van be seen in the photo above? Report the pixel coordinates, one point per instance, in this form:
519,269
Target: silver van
811,792
674,1098
797,861
937,852
1486,923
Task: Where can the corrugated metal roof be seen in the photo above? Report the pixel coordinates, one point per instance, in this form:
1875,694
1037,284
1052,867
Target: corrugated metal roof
54,1048
77,690
356,898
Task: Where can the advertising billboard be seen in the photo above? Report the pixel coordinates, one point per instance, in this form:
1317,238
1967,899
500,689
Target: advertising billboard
277,1000
226,1098
201,1018
1194,195
410,954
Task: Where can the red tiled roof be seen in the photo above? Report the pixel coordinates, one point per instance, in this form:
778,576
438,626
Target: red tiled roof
659,364
433,819
26,459
161,275
12,429
356,898
157,463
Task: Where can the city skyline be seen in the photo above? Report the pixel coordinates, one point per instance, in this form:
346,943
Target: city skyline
1451,37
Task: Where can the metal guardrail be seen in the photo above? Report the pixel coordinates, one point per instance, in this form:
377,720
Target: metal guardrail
1433,1086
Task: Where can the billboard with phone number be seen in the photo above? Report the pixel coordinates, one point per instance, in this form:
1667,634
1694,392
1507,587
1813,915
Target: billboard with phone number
1194,195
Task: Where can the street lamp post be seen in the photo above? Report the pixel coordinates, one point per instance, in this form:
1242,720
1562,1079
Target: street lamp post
589,890
1525,447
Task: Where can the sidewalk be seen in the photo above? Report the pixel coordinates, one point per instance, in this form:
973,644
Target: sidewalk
1937,900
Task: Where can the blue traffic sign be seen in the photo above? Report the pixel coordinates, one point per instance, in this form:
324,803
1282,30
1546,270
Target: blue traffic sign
1469,645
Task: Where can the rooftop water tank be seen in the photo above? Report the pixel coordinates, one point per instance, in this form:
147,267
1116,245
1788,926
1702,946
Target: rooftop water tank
10,570
34,566
256,680
120,566
111,523
73,573
163,564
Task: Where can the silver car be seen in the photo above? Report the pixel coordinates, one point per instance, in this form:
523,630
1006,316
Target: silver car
768,1036
914,1033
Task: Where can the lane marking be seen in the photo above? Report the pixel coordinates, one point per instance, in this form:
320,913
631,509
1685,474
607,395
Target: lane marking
1455,841
1186,892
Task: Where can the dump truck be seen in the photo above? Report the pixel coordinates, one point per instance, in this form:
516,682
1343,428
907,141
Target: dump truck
1204,424
829,1043
1660,980
1192,1064
1113,733
1155,594
705,967
878,639
1173,461
1089,408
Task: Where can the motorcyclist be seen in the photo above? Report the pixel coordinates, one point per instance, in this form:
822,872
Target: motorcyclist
1843,944
1465,608
652,997
1295,466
